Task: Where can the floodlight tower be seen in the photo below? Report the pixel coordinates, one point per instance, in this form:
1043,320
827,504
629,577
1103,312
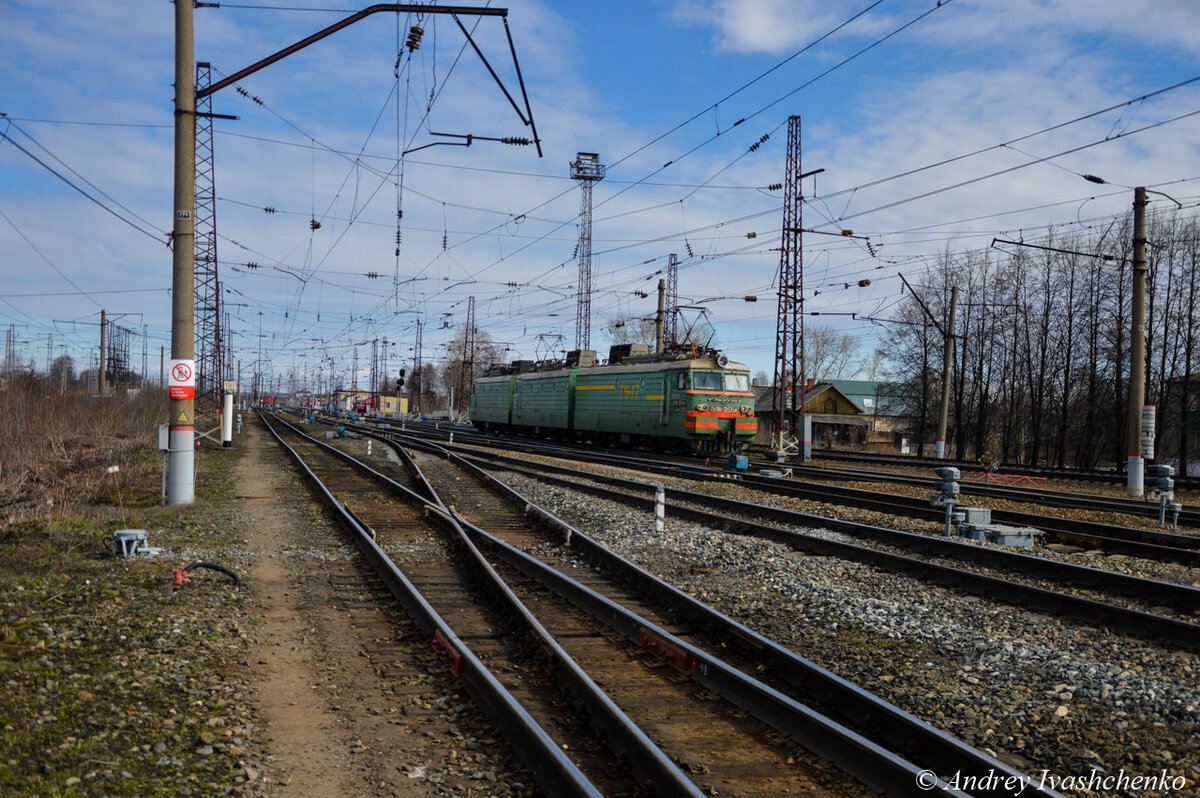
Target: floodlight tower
587,169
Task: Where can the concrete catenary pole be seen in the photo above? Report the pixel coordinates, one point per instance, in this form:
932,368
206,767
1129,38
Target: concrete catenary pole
1137,346
181,480
947,364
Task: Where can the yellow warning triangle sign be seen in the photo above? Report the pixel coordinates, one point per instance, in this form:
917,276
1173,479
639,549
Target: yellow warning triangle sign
182,418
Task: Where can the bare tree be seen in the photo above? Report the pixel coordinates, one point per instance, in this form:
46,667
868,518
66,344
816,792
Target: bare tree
829,354
485,354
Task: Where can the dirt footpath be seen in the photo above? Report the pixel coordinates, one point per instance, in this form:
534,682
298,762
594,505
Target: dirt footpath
350,698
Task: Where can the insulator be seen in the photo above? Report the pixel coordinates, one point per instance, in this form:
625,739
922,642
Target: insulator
444,241
257,101
399,213
268,209
863,283
251,265
242,91
847,233
515,140
760,141
414,37
397,252
398,238
751,235
688,244
775,187
751,298
314,224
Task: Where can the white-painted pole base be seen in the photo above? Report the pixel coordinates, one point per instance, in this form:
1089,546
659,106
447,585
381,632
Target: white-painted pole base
1136,486
939,450
227,421
181,487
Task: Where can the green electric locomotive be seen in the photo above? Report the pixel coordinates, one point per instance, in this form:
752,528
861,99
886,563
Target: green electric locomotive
698,402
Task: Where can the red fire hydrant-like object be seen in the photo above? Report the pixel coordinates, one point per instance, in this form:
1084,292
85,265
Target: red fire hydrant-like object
182,573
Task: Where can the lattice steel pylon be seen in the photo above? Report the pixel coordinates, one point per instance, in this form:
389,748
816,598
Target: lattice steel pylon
789,329
587,169
671,333
210,370
416,377
466,376
374,386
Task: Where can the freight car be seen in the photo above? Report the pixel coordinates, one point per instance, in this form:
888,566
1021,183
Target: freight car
697,402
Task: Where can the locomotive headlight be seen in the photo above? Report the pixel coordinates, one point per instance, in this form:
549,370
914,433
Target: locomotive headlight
702,406
745,410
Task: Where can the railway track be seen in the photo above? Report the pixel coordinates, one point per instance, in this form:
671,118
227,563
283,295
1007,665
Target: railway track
1106,477
919,557
1070,531
1190,516
1147,544
718,720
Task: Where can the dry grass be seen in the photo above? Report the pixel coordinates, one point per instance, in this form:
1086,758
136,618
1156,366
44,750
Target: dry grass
56,450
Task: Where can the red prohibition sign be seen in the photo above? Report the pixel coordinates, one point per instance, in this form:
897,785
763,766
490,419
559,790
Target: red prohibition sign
181,372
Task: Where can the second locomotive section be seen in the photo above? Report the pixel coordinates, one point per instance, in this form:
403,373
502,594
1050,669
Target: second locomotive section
701,403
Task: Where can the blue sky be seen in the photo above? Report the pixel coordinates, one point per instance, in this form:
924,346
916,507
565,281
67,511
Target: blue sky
641,83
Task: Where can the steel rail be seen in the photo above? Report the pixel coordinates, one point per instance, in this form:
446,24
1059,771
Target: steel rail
1129,621
1182,482
1147,544
860,757
555,772
1168,593
1052,498
645,756
936,750
855,754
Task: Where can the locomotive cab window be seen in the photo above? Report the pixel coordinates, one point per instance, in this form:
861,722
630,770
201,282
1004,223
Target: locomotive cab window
737,381
681,380
706,380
